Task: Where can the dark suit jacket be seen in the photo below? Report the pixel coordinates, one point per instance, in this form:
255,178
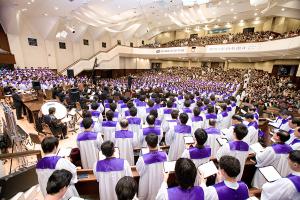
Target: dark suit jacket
16,99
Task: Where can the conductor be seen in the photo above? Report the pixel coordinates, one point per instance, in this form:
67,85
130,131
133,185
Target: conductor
130,78
17,102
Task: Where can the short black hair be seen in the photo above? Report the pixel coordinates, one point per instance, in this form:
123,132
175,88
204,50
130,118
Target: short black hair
230,165
174,114
87,123
187,103
150,119
113,106
130,104
185,172
58,180
49,143
152,140
240,131
224,106
150,103
107,148
196,111
283,136
296,121
94,106
201,136
86,114
51,110
249,116
210,109
110,115
124,123
183,117
169,104
126,188
294,156
133,111
154,113
212,122
237,117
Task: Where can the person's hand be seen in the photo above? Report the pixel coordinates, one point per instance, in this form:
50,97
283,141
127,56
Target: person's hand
219,177
202,180
166,176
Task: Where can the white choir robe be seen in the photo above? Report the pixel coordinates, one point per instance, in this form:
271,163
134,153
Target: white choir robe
89,144
207,118
135,125
197,122
141,110
151,170
175,138
287,188
167,114
108,128
124,140
47,165
188,111
230,135
149,130
294,142
212,135
223,120
276,156
96,127
170,124
108,172
237,149
252,135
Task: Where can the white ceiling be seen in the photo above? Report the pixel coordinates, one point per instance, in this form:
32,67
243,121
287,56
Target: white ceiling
140,19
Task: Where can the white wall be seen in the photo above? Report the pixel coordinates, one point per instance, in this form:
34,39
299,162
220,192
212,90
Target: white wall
134,63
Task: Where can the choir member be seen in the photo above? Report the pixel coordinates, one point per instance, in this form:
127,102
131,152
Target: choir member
126,188
150,129
213,133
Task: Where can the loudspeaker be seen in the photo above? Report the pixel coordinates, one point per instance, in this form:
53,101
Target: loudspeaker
70,73
36,85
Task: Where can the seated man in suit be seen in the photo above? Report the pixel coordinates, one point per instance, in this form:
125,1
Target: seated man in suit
55,125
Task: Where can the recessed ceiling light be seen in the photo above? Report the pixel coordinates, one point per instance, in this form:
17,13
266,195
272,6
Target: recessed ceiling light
231,9
32,1
219,20
28,3
119,6
45,14
257,18
242,21
282,9
24,9
255,14
234,17
227,1
56,8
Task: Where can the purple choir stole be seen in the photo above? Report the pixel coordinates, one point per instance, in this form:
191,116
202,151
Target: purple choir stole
281,148
238,146
81,124
47,162
95,113
134,120
110,165
123,134
196,153
295,141
86,136
211,116
194,193
187,110
109,124
197,119
254,124
295,180
168,110
184,129
213,130
149,130
154,157
224,114
225,193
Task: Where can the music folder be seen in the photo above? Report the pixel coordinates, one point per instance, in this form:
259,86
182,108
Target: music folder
274,124
208,169
169,166
270,173
222,141
256,147
188,140
116,154
64,152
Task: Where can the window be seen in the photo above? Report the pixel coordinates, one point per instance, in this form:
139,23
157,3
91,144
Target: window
85,42
62,45
119,42
131,44
103,44
32,41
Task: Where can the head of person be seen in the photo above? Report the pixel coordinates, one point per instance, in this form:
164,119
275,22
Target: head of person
284,113
108,148
124,123
113,106
249,117
199,103
294,160
236,119
230,167
154,113
58,183
206,101
196,111
110,115
252,109
185,173
201,136
174,114
223,107
240,131
86,114
281,136
49,145
130,104
157,100
183,117
133,111
152,140
187,103
150,119
52,110
126,188
210,109
150,103
169,104
87,123
94,106
294,123
212,122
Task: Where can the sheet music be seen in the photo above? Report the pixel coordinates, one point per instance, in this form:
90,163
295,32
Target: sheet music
252,198
243,111
222,141
145,150
188,140
116,154
76,198
64,152
256,147
208,169
274,124
169,166
270,173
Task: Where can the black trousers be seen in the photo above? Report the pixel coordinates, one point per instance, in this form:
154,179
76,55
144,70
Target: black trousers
19,111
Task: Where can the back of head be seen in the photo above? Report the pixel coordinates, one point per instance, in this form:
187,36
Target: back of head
126,188
169,104
185,172
237,118
49,144
199,103
240,131
294,156
58,180
130,104
223,106
206,101
154,113
94,106
133,111
283,136
296,121
152,140
51,110
150,119
183,117
113,106
124,123
174,114
150,103
210,109
110,115
230,165
187,103
212,122
249,116
196,111
87,123
107,148
201,136
86,114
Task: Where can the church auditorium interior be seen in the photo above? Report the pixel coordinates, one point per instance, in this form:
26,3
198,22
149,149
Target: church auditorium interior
150,99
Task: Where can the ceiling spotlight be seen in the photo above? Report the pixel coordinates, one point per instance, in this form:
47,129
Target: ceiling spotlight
234,17
241,21
56,8
255,14
24,9
45,14
231,9
28,3
257,18
282,9
219,20
32,1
